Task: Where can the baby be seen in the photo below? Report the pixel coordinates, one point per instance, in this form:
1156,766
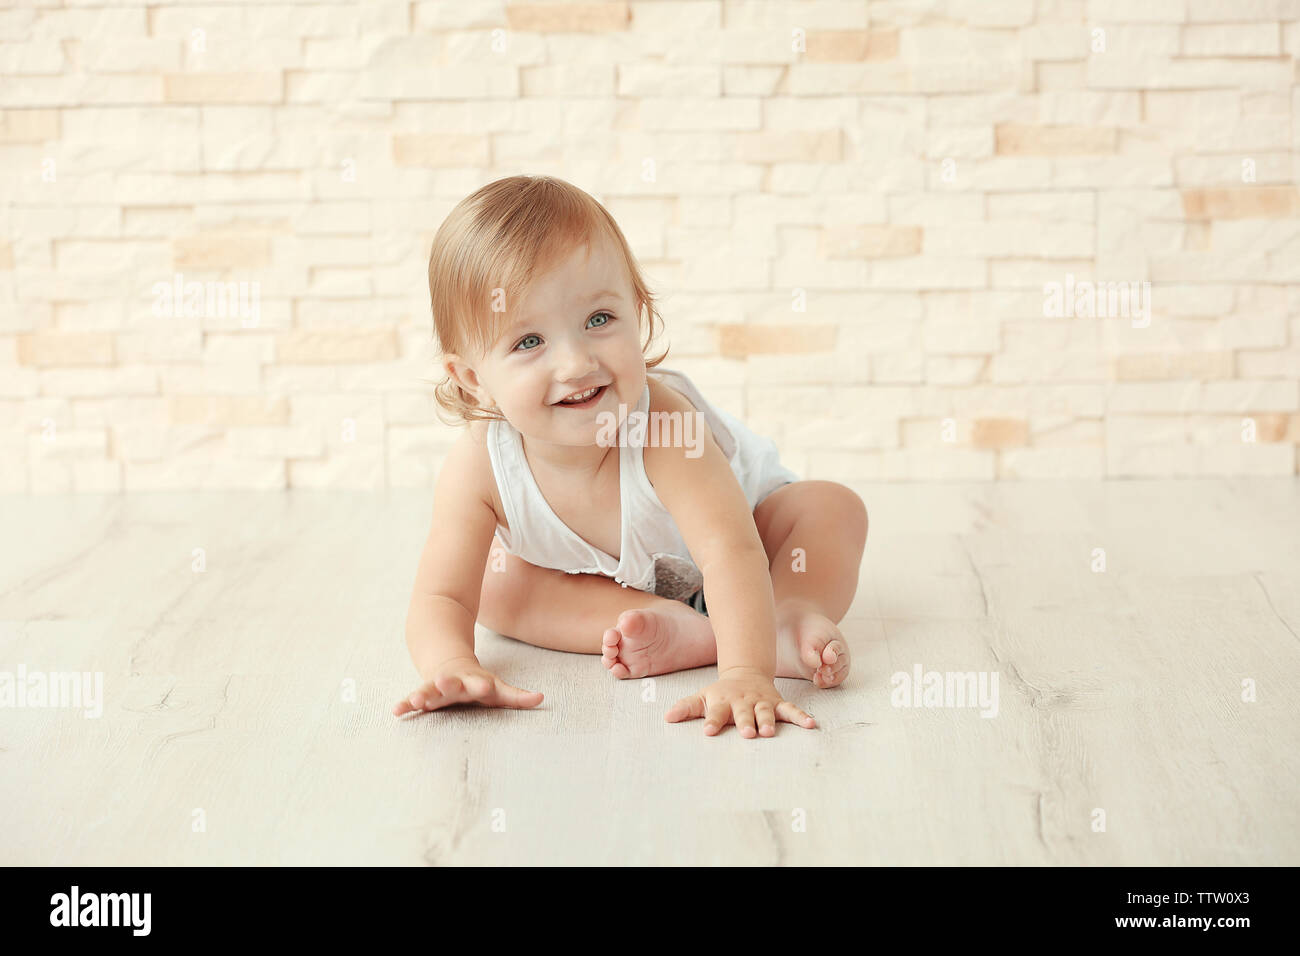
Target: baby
617,496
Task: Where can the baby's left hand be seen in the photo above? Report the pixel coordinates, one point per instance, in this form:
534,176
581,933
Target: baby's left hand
742,695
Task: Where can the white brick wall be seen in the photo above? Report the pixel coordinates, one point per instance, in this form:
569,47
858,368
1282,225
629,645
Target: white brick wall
920,171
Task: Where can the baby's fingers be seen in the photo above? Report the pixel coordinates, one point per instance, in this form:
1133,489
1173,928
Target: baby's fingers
418,700
788,711
507,695
743,714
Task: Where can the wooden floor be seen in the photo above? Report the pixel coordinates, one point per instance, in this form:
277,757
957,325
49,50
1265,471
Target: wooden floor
229,734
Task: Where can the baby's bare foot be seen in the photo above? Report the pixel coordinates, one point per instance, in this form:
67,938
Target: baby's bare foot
671,637
809,645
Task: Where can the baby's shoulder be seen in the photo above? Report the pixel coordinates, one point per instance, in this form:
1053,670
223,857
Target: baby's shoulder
665,398
475,464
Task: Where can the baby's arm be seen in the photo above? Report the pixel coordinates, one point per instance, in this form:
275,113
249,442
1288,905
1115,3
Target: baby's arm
448,583
717,524
449,579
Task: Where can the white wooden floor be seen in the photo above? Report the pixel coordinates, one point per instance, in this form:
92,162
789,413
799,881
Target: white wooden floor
227,735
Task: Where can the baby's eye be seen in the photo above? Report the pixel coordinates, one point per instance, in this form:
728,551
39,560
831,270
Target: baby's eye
525,339
609,318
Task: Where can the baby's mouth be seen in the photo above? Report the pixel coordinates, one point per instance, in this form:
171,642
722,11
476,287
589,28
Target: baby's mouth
589,398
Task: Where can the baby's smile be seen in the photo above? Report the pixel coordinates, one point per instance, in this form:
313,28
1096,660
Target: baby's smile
583,399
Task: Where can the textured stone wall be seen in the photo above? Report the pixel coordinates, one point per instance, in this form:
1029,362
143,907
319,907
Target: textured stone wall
874,227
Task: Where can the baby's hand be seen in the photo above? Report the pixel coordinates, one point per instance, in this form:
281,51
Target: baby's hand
462,680
741,694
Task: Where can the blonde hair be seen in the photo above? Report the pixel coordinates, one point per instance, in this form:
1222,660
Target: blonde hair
499,238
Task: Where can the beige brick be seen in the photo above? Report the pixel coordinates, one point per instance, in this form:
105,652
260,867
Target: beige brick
1019,140
1275,363
6,255
1056,41
739,341
1244,202
310,347
1276,427
47,349
1267,396
1203,365
28,126
568,17
440,149
227,410
1121,11
999,432
929,272
212,252
820,146
1234,11
869,241
851,45
1232,39
223,87
954,369
130,55
125,380
66,444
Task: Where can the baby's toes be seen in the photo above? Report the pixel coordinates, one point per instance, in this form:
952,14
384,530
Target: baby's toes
833,652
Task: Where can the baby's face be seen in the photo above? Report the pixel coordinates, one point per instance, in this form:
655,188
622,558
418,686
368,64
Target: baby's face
577,330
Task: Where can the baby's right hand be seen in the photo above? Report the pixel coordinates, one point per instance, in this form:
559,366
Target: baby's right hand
462,680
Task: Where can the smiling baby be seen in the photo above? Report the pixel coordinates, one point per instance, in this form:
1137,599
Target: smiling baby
595,500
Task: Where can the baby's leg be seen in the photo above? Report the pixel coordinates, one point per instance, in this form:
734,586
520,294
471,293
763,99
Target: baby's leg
570,612
814,533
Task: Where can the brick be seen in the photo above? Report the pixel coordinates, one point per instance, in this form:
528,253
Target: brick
1056,41
200,88
1153,11
96,382
820,146
740,341
1030,237
999,432
1244,202
133,55
1233,11
954,369
1018,140
850,45
1232,39
656,79
1156,365
312,347
440,149
568,17
227,410
209,252
1235,396
1275,363
929,272
870,241
28,126
1048,206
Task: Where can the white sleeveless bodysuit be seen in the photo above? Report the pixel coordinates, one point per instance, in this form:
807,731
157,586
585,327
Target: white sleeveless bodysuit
653,556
